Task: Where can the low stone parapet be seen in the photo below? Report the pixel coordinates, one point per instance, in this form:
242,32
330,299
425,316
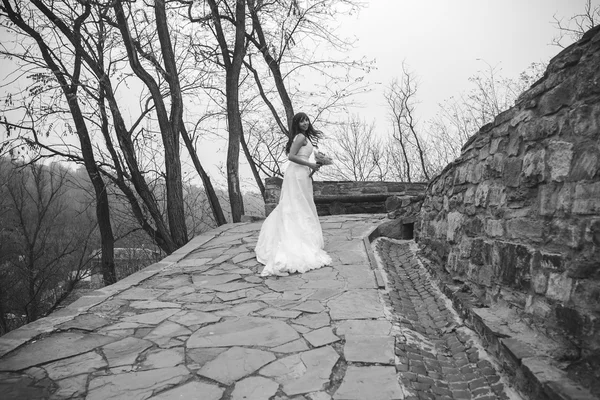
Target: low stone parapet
347,197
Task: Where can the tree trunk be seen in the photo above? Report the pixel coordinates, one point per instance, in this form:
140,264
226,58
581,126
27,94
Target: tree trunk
175,207
213,199
233,65
255,173
234,120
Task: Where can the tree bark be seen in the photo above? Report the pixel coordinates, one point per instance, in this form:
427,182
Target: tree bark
213,199
233,66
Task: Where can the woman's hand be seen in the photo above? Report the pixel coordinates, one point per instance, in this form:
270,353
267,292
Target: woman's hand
314,166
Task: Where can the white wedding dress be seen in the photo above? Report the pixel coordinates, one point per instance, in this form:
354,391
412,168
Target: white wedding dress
291,239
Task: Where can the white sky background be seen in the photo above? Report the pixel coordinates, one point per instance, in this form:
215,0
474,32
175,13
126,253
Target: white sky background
443,42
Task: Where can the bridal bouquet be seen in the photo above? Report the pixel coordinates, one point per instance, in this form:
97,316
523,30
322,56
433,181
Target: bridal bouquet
321,159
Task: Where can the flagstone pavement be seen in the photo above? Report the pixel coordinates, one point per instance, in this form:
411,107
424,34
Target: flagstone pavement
202,324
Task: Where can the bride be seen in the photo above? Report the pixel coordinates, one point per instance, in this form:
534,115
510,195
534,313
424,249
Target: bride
291,239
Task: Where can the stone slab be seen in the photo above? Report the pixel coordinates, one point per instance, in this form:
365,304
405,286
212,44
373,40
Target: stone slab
321,337
235,364
191,390
80,364
53,347
135,385
243,331
125,351
373,383
151,318
356,304
364,327
303,373
369,349
291,347
254,388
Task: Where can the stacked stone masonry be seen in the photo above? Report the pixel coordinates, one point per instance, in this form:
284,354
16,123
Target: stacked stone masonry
517,215
345,197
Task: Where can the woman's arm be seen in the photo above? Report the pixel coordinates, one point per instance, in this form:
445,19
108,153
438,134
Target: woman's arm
299,141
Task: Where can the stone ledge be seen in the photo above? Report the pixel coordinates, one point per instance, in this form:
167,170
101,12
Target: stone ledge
530,372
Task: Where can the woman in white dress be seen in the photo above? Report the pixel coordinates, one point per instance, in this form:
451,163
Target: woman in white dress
291,239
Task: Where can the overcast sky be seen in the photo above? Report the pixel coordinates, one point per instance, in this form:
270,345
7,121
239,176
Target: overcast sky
442,41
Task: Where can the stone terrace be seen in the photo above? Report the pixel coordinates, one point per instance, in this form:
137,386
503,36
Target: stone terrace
202,324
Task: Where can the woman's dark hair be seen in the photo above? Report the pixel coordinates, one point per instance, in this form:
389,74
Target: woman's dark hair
311,133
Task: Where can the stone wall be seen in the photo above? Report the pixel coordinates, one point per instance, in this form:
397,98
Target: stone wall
345,197
517,215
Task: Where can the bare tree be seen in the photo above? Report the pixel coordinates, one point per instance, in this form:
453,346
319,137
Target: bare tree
461,116
51,239
359,154
401,99
571,29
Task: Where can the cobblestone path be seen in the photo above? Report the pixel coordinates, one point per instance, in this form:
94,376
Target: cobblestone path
437,357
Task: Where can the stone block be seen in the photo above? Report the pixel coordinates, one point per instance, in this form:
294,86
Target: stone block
585,296
473,226
460,174
494,227
496,195
485,274
393,203
570,320
478,172
547,261
453,203
585,270
512,171
560,286
534,167
558,97
391,229
496,164
469,197
484,152
559,159
539,282
465,247
587,198
481,194
518,349
512,262
477,250
514,144
585,120
455,221
586,165
547,199
525,228
538,306
497,145
565,233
